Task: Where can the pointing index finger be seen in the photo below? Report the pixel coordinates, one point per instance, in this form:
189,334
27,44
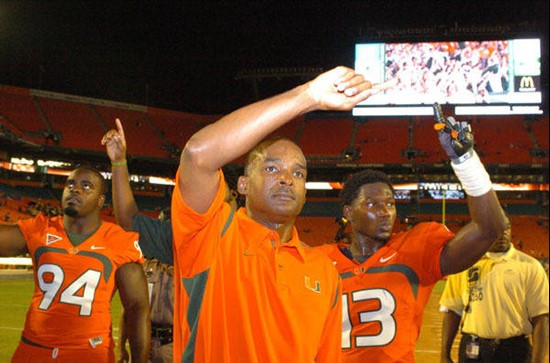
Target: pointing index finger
438,113
119,128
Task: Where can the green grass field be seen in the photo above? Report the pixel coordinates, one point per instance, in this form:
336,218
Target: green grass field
15,297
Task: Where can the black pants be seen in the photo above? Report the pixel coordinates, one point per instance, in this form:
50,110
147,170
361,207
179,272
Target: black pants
512,350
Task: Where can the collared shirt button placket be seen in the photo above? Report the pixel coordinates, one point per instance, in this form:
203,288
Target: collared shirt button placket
273,239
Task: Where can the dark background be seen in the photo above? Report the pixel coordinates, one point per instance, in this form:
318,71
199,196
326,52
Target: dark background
195,56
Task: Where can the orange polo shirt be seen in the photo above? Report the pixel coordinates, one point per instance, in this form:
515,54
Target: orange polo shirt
243,296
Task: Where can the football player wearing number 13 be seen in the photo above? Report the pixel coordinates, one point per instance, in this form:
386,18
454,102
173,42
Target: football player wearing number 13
79,260
387,279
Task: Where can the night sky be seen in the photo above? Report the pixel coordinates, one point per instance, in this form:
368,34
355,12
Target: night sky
186,55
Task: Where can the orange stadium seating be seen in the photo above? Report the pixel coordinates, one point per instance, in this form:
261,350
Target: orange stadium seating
540,131
290,130
81,122
177,127
19,111
383,140
426,144
502,140
141,136
319,137
69,118
158,133
153,132
533,234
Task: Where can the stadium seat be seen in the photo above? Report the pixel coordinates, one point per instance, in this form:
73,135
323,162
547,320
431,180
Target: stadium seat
141,138
383,140
326,137
72,119
502,140
19,110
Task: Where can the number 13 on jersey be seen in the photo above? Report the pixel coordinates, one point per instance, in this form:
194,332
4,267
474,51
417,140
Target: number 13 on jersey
382,317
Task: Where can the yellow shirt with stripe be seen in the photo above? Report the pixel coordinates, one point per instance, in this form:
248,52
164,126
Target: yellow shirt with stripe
503,293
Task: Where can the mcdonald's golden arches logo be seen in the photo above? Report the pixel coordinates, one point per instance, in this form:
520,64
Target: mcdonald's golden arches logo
527,82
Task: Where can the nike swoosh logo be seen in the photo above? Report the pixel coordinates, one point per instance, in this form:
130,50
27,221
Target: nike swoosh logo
386,259
93,247
248,254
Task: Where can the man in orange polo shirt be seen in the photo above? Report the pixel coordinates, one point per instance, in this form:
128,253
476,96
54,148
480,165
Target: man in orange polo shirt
247,289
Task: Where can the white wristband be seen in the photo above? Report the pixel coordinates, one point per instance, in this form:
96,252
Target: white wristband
472,175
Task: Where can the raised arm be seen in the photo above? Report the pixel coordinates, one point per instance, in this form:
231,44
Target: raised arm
233,135
132,288
12,241
488,220
123,200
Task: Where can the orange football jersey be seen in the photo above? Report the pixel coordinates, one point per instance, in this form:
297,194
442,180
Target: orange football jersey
70,307
384,297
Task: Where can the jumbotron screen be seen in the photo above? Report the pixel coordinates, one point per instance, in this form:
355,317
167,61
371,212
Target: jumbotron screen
476,77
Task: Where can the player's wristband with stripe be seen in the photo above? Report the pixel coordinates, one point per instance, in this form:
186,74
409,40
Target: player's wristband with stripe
472,175
122,163
460,159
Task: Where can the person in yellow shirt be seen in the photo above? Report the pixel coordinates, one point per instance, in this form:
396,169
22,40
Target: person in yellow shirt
497,303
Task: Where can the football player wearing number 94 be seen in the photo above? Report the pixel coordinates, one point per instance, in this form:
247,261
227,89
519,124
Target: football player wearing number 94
387,278
78,262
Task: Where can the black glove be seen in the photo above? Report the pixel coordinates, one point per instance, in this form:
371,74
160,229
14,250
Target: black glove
455,137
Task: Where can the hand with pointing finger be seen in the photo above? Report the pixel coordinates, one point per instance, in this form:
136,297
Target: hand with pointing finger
341,89
455,137
115,143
